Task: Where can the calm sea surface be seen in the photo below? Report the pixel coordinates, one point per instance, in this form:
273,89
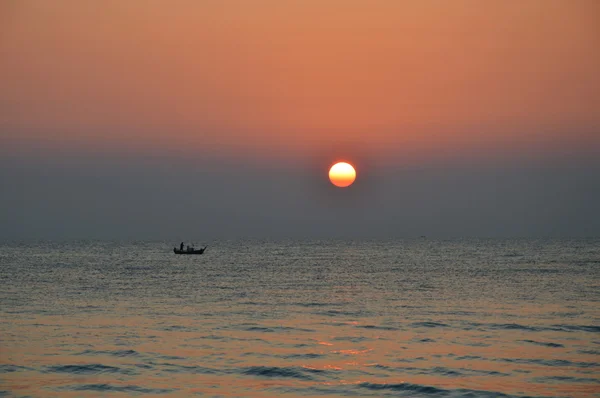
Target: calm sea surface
415,318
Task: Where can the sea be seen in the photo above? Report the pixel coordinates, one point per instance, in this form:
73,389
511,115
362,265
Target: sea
301,318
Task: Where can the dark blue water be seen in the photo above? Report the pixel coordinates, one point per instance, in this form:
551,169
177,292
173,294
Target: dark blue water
489,318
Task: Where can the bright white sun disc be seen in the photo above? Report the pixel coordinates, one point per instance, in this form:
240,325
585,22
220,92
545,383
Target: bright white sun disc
342,174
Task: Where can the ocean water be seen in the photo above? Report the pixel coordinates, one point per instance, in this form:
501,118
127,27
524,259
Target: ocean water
414,318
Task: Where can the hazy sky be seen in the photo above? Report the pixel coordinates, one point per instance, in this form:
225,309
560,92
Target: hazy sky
216,119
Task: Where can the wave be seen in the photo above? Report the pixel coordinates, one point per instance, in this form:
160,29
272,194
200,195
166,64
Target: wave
590,352
353,339
302,356
376,327
404,387
441,370
112,388
342,324
338,312
275,329
427,324
476,344
7,368
551,362
318,304
453,312
444,371
513,326
88,369
215,337
169,357
468,358
410,360
516,326
567,379
543,343
178,328
579,328
510,326
137,268
411,390
485,372
286,372
115,353
176,368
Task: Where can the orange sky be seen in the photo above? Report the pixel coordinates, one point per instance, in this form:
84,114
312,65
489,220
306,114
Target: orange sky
412,79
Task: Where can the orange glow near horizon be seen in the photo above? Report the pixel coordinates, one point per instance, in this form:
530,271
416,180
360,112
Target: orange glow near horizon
416,80
342,174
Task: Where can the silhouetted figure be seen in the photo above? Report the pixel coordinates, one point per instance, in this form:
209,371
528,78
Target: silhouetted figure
181,247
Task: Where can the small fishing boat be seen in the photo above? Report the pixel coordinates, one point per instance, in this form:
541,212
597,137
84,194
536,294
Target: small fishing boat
190,250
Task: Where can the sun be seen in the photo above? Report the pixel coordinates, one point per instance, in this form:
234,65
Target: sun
342,174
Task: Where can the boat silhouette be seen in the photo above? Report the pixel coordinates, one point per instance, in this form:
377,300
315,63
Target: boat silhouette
189,250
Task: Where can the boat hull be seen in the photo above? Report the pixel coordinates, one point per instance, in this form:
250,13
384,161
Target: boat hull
176,251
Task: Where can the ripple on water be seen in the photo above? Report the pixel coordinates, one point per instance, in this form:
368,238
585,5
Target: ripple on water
310,355
286,372
579,328
468,358
178,368
178,328
589,352
377,327
567,379
318,304
104,388
513,326
425,340
550,362
428,324
336,313
404,387
541,343
353,339
170,357
410,390
8,368
275,329
115,353
88,369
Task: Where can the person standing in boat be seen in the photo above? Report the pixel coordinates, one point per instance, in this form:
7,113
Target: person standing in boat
181,247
